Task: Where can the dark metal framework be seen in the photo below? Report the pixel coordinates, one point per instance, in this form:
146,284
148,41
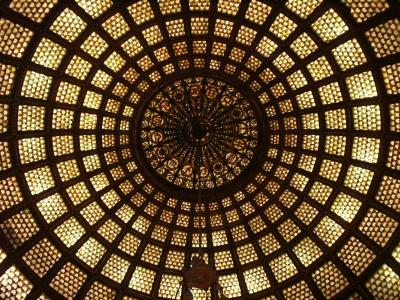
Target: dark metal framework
356,283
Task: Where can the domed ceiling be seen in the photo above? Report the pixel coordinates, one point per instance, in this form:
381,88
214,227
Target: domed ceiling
289,112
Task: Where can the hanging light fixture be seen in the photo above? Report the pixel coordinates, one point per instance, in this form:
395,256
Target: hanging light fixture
200,275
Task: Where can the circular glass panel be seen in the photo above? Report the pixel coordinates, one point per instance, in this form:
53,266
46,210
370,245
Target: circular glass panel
199,133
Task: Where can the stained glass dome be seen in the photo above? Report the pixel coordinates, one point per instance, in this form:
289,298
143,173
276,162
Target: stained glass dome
290,110
199,133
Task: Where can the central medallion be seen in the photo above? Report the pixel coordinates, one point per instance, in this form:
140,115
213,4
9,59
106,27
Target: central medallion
198,130
199,133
